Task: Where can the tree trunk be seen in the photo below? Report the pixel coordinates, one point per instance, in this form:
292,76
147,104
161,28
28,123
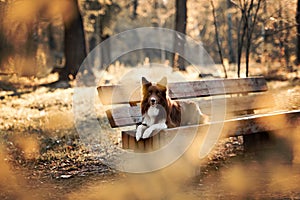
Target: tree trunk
241,35
248,21
75,49
218,38
229,33
135,5
298,32
4,43
180,26
250,28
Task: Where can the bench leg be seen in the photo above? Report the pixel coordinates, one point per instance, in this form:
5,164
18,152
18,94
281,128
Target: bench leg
269,147
144,145
253,142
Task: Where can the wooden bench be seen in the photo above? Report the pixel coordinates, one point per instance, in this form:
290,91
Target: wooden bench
244,101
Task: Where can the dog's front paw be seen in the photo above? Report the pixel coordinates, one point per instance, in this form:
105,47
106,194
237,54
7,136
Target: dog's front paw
138,133
147,133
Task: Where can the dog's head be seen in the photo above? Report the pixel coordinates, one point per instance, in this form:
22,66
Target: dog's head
153,94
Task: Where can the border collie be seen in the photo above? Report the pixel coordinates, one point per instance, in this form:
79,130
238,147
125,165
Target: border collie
160,112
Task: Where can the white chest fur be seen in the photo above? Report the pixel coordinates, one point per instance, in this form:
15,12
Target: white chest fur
153,111
152,115
154,119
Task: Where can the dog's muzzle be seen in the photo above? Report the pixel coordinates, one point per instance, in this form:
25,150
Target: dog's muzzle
153,101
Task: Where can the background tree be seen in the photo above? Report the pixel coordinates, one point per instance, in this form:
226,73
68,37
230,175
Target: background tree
231,52
217,37
180,26
298,32
251,19
135,5
249,12
4,43
283,35
75,49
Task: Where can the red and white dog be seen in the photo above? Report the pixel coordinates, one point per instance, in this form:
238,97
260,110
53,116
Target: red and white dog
160,112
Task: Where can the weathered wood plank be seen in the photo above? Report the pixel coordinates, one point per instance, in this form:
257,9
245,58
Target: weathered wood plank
125,141
149,144
117,94
241,126
131,141
126,116
140,146
155,142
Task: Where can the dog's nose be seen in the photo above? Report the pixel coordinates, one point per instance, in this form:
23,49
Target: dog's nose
152,100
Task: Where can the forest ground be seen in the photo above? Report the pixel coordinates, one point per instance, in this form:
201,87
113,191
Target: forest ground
41,156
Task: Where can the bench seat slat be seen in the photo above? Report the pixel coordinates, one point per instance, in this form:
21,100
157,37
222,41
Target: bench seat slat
240,126
126,116
116,94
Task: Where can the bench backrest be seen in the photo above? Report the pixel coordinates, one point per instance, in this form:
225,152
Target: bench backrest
130,114
117,94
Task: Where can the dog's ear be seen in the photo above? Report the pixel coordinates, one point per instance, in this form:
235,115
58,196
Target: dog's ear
145,81
163,82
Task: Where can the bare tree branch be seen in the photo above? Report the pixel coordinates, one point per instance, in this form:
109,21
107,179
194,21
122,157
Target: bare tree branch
250,30
217,37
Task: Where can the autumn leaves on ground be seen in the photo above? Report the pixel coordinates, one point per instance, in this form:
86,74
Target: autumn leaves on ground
42,156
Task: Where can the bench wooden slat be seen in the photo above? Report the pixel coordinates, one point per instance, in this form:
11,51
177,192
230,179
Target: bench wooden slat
237,127
116,94
262,123
126,116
